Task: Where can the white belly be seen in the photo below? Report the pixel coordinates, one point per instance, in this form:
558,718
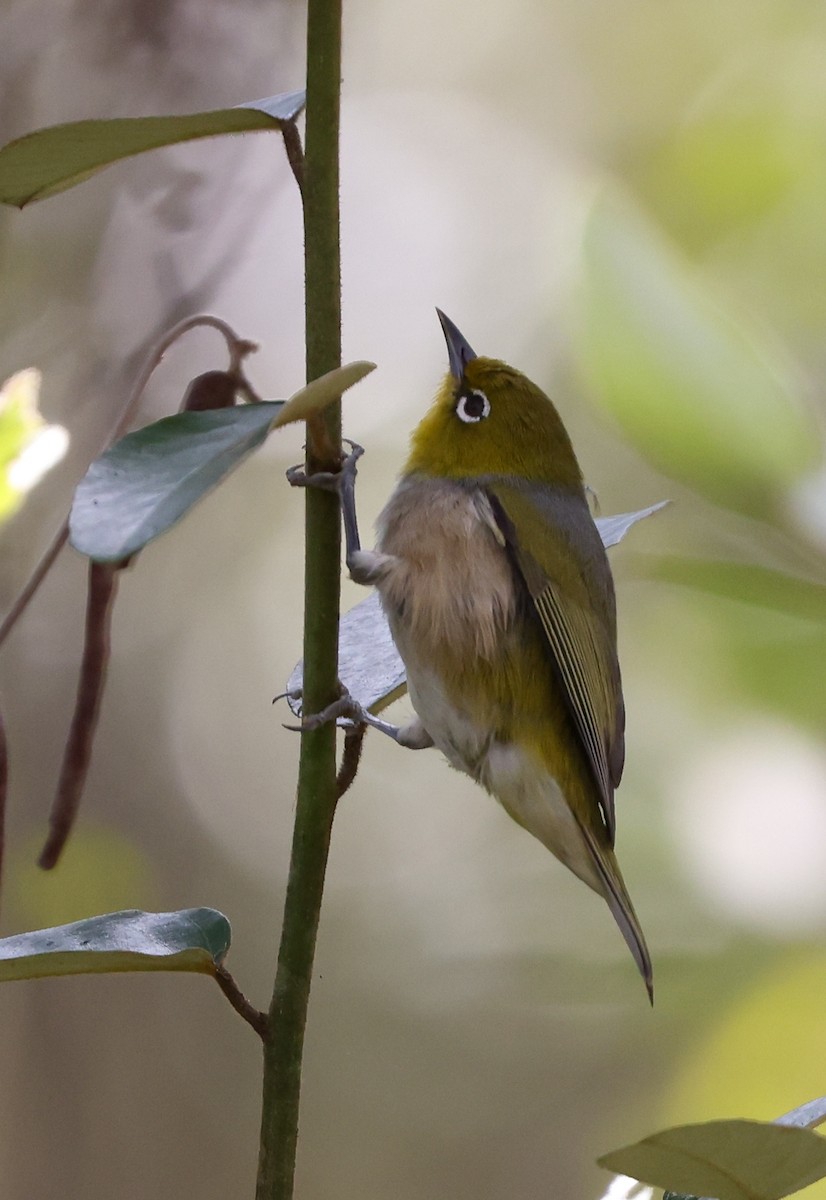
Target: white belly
518,780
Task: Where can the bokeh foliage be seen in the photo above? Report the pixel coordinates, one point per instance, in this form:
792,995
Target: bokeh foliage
704,130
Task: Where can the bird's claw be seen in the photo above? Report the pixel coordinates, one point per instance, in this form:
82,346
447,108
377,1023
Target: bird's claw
328,481
344,709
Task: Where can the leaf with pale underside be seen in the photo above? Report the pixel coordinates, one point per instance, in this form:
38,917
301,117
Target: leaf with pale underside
321,392
806,1116
48,161
369,665
613,529
193,939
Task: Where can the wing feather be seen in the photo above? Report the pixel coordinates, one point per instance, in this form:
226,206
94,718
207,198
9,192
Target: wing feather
576,611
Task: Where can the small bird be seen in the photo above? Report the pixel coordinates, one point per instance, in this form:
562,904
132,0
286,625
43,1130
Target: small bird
499,596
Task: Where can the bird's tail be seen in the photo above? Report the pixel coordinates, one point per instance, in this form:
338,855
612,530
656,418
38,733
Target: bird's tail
616,894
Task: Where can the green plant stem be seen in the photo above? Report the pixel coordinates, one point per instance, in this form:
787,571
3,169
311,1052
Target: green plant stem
317,787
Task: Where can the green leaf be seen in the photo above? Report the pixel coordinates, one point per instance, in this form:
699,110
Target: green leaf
50,160
746,582
194,939
807,1116
149,479
706,398
369,665
729,1160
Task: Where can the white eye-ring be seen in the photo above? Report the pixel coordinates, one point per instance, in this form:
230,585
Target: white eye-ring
472,407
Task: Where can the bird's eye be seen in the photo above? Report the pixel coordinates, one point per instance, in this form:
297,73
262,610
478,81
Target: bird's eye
472,407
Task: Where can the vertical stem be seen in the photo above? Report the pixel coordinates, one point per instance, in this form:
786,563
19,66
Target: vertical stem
316,798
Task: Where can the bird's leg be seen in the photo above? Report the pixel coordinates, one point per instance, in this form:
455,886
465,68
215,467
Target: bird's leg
413,735
365,566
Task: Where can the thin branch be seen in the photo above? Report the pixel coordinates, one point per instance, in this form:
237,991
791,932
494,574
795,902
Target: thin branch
102,588
350,759
35,579
253,1017
238,349
295,153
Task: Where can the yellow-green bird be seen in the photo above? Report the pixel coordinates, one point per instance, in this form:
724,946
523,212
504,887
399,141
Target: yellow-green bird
497,589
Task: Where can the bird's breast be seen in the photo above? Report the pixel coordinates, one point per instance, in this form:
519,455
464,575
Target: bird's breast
449,585
461,619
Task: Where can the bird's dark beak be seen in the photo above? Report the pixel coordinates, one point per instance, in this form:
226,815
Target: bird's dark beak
459,352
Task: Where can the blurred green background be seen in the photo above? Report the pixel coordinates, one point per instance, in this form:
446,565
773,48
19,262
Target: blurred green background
626,201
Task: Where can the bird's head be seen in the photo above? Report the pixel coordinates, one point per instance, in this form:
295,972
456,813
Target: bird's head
489,419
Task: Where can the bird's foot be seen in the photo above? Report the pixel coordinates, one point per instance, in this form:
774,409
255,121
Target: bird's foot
328,481
347,712
345,709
